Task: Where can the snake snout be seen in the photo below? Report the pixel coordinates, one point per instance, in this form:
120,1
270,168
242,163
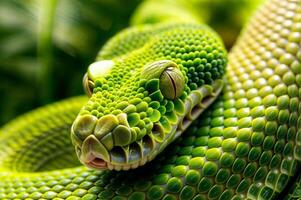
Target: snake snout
96,139
110,130
93,153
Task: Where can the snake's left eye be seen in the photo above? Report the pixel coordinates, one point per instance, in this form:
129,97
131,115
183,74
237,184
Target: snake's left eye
171,79
171,83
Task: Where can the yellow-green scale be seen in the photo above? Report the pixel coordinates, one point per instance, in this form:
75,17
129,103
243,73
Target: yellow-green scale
246,145
124,92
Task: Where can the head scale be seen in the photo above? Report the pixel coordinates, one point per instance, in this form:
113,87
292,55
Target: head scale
142,99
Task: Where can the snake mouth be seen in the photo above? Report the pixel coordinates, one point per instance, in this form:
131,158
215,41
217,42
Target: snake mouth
96,163
93,154
110,142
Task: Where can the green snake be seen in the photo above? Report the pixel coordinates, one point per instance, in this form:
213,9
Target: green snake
141,134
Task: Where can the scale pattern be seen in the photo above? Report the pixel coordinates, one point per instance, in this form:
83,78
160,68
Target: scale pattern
245,146
129,116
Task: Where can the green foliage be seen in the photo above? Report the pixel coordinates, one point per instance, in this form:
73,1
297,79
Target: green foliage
47,45
226,17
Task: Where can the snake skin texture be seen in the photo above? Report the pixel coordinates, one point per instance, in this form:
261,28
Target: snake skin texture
247,145
162,77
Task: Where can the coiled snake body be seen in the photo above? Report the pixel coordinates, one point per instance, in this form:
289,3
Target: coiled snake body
148,85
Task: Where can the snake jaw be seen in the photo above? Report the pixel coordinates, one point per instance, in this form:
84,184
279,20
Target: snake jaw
113,141
93,153
95,162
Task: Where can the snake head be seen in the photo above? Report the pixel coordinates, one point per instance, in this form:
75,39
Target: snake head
139,103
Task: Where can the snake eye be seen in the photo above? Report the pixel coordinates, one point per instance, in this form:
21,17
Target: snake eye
96,70
171,79
172,83
88,85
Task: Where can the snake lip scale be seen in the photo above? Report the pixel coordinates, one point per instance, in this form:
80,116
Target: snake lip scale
96,163
197,101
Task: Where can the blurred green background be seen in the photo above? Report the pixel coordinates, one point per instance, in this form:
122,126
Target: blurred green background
46,45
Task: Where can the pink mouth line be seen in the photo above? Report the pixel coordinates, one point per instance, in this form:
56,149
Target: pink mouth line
95,162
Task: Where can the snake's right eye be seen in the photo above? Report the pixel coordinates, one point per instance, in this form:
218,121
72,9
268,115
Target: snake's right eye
88,85
96,70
